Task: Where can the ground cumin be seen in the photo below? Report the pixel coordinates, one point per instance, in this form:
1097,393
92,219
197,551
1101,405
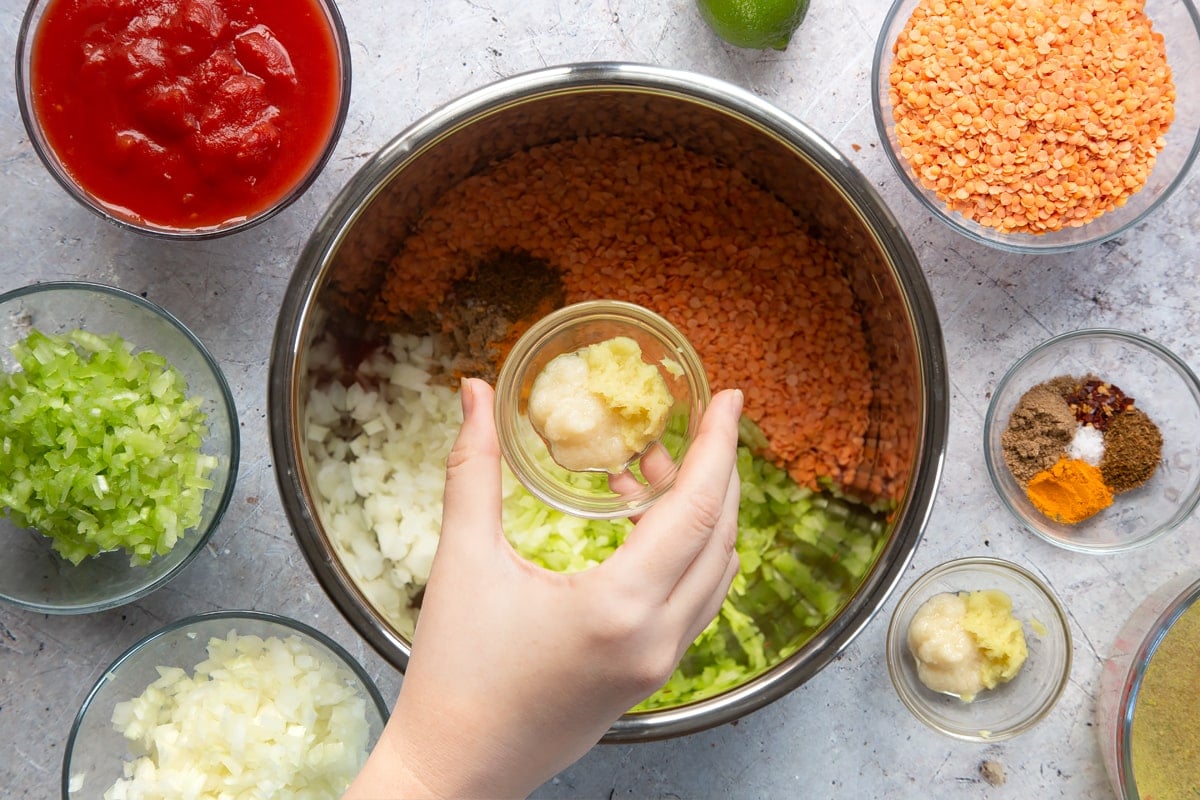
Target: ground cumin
766,305
1132,449
488,309
1039,430
1031,115
1070,491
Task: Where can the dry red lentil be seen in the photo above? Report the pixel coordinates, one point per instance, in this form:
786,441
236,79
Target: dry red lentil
1031,115
765,304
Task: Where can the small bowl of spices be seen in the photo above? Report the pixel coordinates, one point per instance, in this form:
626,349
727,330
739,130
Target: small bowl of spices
979,649
1092,440
596,405
1039,126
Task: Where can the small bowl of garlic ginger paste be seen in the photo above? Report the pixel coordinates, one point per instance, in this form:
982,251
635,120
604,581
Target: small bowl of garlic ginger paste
596,406
979,649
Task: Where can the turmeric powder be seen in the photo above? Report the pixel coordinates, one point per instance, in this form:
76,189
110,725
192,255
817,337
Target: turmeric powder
1070,491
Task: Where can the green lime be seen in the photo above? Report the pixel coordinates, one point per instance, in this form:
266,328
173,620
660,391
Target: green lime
757,24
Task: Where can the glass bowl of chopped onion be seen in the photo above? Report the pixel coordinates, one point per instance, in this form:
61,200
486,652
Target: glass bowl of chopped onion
1092,440
1033,131
225,704
596,406
120,441
979,649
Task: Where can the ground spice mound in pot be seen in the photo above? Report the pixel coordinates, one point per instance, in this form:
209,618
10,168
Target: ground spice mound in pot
1132,450
1029,116
489,308
766,305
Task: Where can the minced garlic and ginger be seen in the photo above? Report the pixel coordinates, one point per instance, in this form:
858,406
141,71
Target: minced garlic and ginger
599,407
967,642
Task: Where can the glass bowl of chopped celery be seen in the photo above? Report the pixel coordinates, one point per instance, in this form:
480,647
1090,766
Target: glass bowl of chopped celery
1092,440
120,445
1036,132
225,704
979,649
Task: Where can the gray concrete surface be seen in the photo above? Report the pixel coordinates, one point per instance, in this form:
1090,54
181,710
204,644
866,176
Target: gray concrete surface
842,735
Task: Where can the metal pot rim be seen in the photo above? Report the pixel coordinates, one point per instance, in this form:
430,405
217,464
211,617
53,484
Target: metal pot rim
330,232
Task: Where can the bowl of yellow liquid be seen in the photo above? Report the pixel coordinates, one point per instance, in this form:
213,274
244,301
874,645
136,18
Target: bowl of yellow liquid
1148,710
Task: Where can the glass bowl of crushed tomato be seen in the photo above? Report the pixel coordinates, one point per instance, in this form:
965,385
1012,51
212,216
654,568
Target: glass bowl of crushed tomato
183,120
121,447
1092,440
597,405
1031,130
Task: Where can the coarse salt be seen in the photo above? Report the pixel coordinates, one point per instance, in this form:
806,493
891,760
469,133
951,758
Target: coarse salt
1087,445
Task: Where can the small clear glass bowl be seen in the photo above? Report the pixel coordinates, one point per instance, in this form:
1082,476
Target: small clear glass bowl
567,330
32,575
96,751
1124,674
1010,708
128,218
1179,24
1161,384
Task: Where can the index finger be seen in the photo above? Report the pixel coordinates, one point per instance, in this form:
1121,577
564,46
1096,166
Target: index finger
672,533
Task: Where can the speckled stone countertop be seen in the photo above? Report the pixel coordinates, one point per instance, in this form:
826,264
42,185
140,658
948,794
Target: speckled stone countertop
844,734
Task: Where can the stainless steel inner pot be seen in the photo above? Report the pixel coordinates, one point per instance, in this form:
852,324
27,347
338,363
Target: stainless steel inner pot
345,259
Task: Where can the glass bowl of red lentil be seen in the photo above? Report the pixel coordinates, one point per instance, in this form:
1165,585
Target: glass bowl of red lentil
1033,130
230,127
645,476
1092,440
678,193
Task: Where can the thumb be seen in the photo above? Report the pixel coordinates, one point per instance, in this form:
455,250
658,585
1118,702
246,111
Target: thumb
472,497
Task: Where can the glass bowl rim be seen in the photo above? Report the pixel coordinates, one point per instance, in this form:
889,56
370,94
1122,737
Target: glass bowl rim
1013,243
141,644
1180,367
226,402
508,388
24,45
1135,677
894,648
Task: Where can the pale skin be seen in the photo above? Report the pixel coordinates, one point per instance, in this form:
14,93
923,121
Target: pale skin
517,671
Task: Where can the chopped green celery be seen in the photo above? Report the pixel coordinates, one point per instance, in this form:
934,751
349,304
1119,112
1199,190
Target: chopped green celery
802,553
101,446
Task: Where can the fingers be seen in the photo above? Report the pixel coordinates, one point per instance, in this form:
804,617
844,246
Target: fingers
712,605
656,467
697,596
668,538
473,491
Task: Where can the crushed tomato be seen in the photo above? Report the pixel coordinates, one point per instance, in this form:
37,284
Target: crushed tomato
186,114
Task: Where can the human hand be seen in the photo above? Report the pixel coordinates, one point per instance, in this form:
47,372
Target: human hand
516,671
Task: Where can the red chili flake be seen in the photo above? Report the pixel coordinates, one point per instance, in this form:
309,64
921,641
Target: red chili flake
1096,402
